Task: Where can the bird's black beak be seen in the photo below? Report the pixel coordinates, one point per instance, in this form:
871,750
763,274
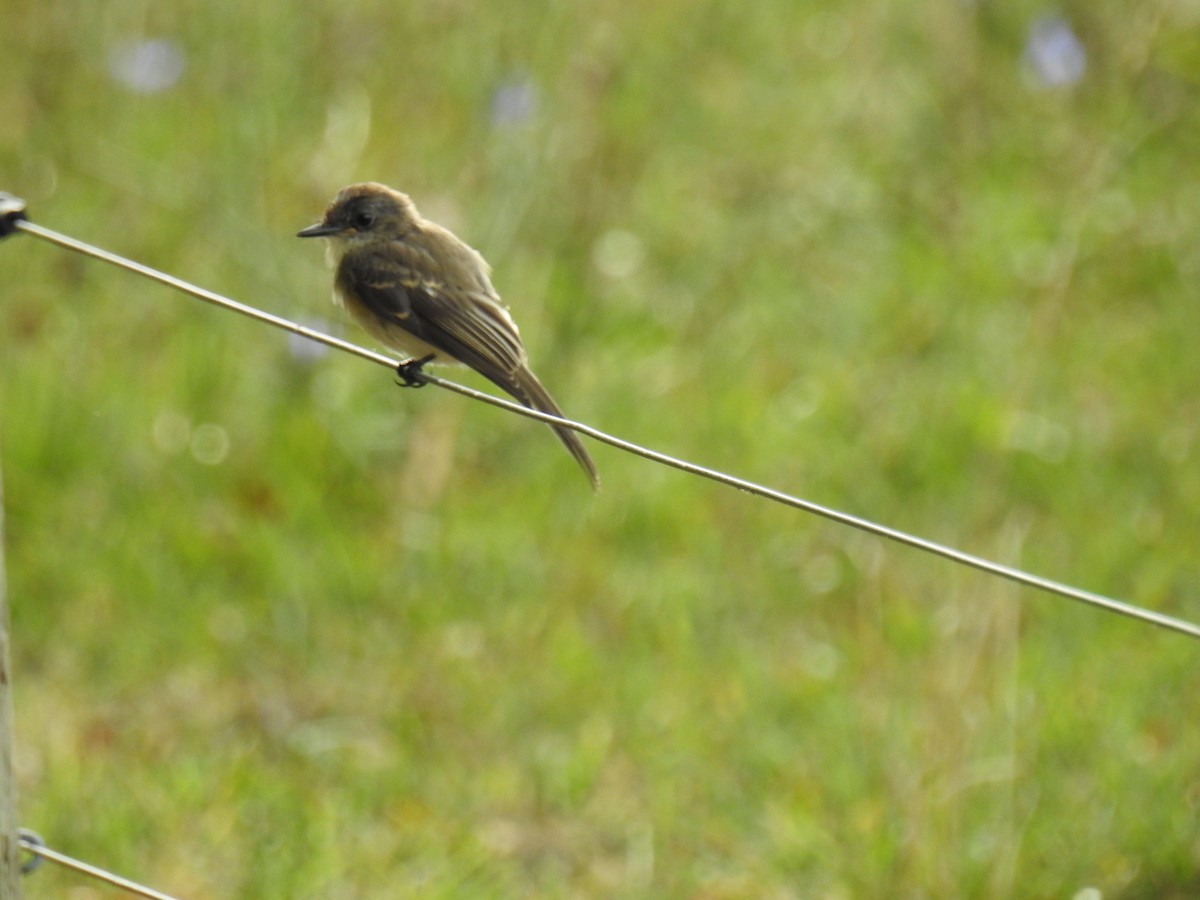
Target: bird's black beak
319,230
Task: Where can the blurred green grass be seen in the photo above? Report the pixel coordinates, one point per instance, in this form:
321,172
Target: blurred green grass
282,630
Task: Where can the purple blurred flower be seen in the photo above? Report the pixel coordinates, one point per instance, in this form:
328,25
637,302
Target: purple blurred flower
1054,52
513,102
147,67
306,350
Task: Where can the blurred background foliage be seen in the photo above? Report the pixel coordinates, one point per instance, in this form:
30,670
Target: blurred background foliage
284,630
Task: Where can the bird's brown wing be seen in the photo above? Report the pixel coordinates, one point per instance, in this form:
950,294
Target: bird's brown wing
406,287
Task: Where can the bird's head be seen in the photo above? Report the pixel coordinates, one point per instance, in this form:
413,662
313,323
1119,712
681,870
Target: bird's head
365,212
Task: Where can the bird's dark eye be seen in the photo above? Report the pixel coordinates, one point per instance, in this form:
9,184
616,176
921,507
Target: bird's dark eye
364,219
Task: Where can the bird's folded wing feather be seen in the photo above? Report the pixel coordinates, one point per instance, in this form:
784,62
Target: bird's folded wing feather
404,286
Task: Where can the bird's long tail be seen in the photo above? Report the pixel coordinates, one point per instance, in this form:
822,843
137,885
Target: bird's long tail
526,388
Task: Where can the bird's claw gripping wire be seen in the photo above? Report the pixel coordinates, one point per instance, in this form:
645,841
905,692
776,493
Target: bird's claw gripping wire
12,209
410,373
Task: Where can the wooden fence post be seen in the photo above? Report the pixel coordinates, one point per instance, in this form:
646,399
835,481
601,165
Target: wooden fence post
10,848
11,209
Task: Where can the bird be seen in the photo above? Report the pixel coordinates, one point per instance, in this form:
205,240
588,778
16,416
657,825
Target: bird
418,289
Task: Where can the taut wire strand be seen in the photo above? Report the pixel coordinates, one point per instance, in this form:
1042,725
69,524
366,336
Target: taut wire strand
966,559
39,849
200,293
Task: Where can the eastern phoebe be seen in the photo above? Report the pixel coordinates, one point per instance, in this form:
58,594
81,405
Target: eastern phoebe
421,291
